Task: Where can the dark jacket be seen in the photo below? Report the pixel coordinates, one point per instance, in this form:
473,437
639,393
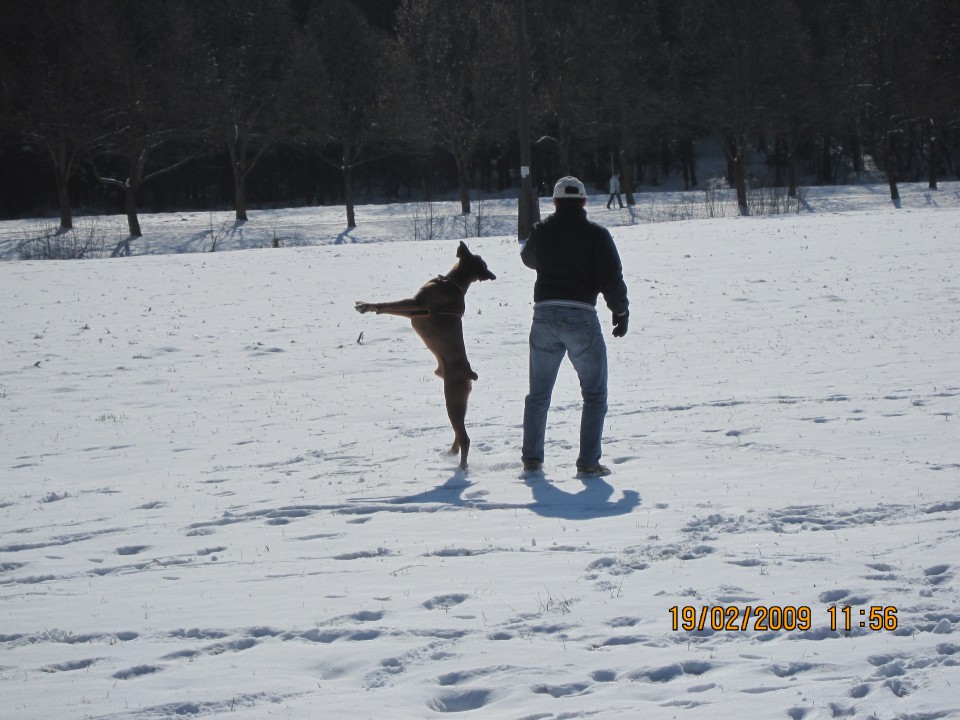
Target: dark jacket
575,260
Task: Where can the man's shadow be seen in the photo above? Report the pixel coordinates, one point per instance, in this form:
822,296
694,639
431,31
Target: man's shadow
549,500
593,501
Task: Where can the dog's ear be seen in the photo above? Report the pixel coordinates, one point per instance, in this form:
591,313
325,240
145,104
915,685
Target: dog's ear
463,251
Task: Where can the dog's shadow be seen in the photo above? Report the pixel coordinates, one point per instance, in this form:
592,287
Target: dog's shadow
549,500
450,493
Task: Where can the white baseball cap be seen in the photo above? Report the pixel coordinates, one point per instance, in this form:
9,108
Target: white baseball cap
569,187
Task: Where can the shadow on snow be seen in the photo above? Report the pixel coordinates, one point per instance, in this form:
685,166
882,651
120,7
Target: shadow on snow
549,500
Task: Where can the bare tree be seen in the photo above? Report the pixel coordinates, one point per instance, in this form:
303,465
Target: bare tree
144,96
246,73
567,49
936,87
344,76
891,67
821,109
752,44
635,82
50,73
793,100
461,57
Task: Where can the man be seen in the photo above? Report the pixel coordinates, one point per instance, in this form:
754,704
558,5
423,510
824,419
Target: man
576,260
615,191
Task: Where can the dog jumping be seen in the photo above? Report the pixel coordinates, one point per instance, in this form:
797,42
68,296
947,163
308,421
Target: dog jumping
436,313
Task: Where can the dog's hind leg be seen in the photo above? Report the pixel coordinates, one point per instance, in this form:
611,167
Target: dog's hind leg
456,392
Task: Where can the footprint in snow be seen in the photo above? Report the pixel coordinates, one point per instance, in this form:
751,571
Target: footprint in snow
457,702
443,602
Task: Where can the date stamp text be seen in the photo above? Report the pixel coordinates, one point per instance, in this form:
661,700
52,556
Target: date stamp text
776,618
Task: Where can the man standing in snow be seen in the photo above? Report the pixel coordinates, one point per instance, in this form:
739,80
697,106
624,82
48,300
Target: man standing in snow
615,191
576,260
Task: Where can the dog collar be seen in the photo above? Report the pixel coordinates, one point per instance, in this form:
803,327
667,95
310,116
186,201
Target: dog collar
456,285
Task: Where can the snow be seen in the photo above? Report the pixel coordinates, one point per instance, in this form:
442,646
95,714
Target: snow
219,499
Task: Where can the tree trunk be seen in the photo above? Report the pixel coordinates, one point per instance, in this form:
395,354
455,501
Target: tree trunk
891,172
826,167
239,194
688,161
740,173
730,147
63,198
778,152
133,222
665,156
563,151
791,171
790,148
856,155
347,172
61,171
463,180
626,179
934,156
239,182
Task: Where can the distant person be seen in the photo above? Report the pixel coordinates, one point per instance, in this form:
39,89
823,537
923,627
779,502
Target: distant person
576,260
615,191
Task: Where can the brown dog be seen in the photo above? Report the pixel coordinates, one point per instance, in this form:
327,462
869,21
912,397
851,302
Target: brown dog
436,313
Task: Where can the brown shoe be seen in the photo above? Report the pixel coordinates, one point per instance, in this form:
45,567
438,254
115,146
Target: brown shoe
532,465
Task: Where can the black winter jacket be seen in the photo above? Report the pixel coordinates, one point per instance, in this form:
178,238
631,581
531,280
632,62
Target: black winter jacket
575,260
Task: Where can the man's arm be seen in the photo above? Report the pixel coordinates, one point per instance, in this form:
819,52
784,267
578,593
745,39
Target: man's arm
612,286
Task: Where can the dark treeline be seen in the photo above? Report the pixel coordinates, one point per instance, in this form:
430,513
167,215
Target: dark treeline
194,104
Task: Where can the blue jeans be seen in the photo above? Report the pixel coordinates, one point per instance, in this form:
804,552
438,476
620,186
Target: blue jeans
559,330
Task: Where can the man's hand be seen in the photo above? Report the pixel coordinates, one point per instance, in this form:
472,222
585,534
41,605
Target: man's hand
620,324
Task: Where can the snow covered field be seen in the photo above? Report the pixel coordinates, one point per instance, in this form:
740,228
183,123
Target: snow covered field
225,493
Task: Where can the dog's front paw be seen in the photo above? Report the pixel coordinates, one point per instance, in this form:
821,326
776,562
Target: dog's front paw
362,307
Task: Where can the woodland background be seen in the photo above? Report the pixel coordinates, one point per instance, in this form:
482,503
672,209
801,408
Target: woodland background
122,105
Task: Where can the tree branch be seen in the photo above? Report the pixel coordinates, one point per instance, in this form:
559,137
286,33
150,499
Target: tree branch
167,169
